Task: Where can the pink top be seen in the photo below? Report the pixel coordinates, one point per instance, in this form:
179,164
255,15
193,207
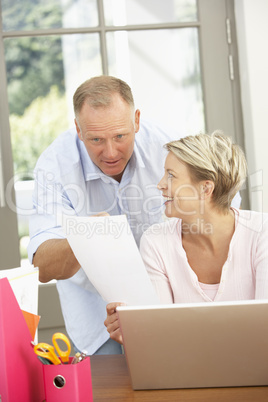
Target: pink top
210,289
244,273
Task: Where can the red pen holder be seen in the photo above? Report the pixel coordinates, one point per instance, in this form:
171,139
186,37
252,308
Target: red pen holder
68,382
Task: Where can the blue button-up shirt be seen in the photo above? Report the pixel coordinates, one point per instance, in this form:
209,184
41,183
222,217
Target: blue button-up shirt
68,182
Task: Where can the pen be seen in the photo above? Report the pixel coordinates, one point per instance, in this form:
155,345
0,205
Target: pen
79,357
76,358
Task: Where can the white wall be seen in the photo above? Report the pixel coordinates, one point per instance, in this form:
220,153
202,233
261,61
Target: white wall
252,36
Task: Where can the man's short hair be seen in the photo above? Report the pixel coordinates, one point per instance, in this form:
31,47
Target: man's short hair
98,91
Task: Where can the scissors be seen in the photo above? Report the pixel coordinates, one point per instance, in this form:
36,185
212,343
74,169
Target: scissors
48,351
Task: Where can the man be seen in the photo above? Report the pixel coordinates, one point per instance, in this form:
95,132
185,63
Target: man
109,163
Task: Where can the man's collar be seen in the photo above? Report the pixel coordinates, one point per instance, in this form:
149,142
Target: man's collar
138,157
91,171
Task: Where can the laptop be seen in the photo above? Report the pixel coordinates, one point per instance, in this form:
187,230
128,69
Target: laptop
197,345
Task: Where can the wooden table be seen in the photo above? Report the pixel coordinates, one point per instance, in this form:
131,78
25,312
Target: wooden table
111,382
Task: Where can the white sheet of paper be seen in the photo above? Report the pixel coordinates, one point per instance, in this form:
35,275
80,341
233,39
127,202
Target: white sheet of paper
107,251
24,283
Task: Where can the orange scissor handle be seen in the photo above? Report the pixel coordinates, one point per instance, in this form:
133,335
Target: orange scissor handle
64,354
49,352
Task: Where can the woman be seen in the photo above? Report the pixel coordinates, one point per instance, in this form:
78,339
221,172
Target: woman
208,250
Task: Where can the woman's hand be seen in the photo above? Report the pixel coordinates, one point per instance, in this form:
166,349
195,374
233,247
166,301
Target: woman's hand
112,323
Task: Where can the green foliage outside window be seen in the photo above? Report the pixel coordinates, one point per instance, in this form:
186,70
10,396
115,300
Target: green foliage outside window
32,132
35,77
33,64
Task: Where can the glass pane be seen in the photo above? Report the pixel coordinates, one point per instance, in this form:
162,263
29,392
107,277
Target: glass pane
127,12
163,69
40,14
43,73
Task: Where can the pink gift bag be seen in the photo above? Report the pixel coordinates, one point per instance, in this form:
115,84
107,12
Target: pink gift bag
68,382
21,376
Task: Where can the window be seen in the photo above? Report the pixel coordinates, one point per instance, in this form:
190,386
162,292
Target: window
159,47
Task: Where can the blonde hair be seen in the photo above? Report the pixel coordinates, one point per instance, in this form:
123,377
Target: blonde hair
98,91
213,157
